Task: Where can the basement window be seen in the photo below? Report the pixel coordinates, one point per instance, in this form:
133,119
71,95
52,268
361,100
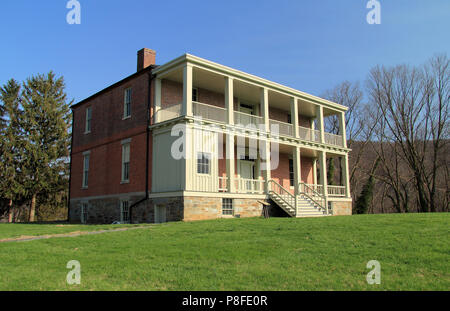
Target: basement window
203,163
84,213
227,206
125,211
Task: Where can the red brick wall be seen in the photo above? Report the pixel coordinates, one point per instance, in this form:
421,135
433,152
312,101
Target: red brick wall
104,142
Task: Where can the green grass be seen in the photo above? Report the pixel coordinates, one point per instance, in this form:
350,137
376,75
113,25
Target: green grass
18,230
327,253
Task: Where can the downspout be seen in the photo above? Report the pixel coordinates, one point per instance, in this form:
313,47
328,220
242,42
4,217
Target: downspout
70,169
147,147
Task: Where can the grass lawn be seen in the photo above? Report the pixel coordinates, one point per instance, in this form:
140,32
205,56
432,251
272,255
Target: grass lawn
328,253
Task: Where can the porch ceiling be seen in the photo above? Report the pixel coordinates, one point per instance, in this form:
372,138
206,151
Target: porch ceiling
215,82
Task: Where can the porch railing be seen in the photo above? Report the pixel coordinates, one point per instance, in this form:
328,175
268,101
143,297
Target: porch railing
282,194
333,191
244,185
223,184
285,129
209,112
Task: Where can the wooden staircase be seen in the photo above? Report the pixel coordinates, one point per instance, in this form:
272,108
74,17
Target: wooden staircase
303,205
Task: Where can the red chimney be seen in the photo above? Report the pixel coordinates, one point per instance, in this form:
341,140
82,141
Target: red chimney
146,57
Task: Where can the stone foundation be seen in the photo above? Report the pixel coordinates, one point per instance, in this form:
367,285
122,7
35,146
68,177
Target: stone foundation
341,208
189,208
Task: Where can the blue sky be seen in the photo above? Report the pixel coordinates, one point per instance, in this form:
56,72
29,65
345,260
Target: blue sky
309,45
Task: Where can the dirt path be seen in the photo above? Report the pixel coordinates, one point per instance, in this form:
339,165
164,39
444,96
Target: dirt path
24,238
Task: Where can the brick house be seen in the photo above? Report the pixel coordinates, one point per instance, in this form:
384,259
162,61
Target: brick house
193,139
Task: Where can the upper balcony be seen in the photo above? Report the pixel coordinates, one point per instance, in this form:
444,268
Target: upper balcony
194,87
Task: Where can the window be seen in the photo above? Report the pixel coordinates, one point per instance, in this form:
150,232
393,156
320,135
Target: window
127,104
125,211
86,170
125,162
195,94
289,118
203,162
88,120
291,172
227,206
84,213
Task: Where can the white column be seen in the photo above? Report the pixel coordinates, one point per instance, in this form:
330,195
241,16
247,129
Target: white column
342,130
187,90
315,171
230,162
265,108
297,169
229,102
346,175
157,100
323,176
294,116
265,147
321,123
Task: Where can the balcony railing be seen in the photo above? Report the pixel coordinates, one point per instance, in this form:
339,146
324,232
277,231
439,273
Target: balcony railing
285,129
219,114
209,112
245,119
333,139
309,134
168,113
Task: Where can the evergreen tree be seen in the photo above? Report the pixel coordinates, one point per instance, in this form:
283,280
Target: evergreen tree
364,199
10,145
45,124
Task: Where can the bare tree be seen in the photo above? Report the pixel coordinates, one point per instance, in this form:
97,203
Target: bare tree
413,105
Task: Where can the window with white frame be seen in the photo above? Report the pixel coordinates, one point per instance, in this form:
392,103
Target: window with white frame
227,206
84,213
125,162
88,120
195,94
203,163
125,211
86,158
127,103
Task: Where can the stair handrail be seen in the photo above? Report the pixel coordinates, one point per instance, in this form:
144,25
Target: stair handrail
322,197
280,187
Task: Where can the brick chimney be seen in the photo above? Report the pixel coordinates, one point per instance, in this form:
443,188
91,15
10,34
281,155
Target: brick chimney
146,57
